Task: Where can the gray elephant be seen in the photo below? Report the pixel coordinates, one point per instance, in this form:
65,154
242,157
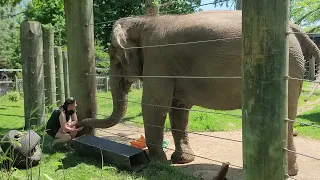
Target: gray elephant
220,58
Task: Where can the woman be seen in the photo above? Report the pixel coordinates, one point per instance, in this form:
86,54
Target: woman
59,127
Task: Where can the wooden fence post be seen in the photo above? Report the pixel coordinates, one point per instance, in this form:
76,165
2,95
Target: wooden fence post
264,108
80,43
59,75
32,72
151,8
312,67
16,82
49,66
66,73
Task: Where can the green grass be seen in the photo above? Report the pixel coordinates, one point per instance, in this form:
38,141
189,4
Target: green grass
75,167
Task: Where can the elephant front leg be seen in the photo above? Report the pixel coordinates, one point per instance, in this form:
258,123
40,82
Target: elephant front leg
153,125
179,124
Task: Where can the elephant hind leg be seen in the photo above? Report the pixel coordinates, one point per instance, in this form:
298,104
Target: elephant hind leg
294,92
179,123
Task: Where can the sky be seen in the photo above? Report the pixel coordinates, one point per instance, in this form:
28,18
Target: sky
211,6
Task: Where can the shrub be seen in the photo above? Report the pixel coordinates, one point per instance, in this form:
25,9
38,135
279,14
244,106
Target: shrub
14,96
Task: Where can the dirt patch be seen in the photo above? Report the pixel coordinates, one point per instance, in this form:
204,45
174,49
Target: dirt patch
221,150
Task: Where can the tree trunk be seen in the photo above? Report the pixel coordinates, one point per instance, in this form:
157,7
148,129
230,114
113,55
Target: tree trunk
66,73
151,8
80,43
265,86
49,66
59,72
32,73
238,4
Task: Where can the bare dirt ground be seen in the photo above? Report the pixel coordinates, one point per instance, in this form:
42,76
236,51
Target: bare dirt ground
223,150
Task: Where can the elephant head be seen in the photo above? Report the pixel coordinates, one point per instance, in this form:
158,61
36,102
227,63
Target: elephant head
125,67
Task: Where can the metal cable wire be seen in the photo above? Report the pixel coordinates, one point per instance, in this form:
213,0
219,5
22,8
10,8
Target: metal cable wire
176,77
302,79
291,32
172,149
182,43
173,129
305,155
155,105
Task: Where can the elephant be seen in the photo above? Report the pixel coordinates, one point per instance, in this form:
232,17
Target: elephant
145,48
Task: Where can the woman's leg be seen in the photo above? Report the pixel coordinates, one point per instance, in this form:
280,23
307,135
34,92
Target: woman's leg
61,137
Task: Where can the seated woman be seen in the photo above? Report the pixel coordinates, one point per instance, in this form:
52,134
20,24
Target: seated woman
59,127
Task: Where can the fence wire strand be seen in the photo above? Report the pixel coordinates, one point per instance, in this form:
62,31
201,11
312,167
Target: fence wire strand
172,149
173,129
170,107
305,155
307,80
176,77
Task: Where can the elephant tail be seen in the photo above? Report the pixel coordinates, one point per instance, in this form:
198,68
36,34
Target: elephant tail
310,46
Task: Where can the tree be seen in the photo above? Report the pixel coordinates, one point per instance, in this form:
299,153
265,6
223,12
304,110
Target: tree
12,3
49,12
9,33
306,13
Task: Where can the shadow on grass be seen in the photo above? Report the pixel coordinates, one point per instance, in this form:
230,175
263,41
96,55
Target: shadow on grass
12,115
11,106
131,117
314,117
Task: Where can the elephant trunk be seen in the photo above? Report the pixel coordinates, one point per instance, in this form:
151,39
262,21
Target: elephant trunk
311,47
119,90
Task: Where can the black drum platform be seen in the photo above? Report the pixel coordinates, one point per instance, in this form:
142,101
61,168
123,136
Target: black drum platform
120,155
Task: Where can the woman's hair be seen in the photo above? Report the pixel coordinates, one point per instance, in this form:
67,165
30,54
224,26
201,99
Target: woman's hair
68,102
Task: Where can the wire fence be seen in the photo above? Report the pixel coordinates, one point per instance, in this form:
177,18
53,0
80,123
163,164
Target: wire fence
99,79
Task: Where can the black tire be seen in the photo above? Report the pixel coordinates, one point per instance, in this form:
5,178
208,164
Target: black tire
28,151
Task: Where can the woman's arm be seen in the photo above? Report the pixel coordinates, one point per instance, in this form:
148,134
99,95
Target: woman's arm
64,125
74,119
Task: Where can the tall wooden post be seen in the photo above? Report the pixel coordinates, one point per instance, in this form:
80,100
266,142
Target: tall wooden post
80,43
49,65
32,72
238,4
151,8
60,74
66,73
265,67
312,67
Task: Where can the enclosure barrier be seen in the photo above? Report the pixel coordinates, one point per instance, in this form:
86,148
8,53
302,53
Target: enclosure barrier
85,74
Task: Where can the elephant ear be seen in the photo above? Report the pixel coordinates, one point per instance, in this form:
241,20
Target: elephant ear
132,60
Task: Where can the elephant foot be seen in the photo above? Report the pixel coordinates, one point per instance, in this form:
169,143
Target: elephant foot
158,156
182,157
295,133
293,170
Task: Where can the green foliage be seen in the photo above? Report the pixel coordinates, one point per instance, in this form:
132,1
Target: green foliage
14,96
178,6
101,56
9,33
306,13
49,12
9,2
